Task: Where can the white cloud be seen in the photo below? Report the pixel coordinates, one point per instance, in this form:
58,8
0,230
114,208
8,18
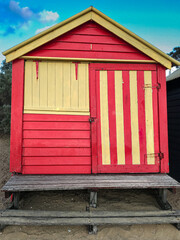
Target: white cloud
42,29
48,16
24,12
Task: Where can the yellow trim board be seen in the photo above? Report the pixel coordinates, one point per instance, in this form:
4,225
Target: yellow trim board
56,112
88,59
90,14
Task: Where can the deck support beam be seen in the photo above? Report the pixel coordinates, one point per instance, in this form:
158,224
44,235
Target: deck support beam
177,225
93,229
162,199
16,199
2,226
93,199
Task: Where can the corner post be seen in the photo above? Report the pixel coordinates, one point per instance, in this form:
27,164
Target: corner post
17,102
163,126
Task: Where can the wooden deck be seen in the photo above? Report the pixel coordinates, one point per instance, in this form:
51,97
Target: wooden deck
19,183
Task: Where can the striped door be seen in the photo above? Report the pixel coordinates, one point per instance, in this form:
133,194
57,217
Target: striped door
127,121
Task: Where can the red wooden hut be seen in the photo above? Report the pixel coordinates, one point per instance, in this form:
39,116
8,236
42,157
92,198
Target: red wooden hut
88,96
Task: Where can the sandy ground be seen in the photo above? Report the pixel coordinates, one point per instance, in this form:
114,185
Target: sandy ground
78,200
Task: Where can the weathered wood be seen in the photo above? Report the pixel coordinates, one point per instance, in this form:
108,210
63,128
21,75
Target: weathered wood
25,217
63,182
177,225
2,227
82,214
93,229
93,199
16,198
162,199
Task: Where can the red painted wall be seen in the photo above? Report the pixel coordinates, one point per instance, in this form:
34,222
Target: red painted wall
46,144
56,144
89,40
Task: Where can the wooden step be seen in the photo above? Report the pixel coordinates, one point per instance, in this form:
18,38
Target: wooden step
30,217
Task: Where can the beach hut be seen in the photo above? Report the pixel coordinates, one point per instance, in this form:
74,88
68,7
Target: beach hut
173,107
89,111
88,96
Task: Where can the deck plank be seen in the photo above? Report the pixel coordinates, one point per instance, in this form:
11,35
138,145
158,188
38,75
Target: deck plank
70,182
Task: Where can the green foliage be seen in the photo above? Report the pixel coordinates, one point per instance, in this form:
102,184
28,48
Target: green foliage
5,96
175,53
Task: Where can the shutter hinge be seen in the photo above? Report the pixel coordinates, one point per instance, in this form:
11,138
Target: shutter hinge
157,86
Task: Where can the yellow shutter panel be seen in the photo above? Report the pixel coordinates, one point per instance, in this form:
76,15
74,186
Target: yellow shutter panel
52,88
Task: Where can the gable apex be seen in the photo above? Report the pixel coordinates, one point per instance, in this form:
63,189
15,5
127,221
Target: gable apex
88,14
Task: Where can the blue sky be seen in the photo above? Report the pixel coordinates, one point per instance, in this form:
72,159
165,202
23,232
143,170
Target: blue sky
157,21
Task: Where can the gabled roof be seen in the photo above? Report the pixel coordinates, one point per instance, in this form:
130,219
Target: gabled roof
88,14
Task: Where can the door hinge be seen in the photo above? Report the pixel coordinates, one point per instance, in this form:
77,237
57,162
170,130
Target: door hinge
157,86
91,119
159,155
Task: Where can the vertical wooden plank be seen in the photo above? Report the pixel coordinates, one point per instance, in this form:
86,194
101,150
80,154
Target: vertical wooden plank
104,118
127,118
59,90
149,117
35,85
86,87
92,91
17,99
98,121
141,112
155,116
81,80
66,85
134,118
51,84
112,117
119,117
75,88
28,84
163,127
43,84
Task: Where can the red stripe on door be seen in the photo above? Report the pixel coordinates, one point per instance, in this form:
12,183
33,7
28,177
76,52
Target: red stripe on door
112,117
127,118
98,119
141,114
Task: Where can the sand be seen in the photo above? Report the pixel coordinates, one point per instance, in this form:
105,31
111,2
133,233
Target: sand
78,200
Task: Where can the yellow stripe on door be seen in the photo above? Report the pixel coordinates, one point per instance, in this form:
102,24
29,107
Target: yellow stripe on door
149,116
134,117
104,118
119,117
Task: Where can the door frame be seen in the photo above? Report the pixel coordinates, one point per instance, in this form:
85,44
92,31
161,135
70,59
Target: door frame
163,145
